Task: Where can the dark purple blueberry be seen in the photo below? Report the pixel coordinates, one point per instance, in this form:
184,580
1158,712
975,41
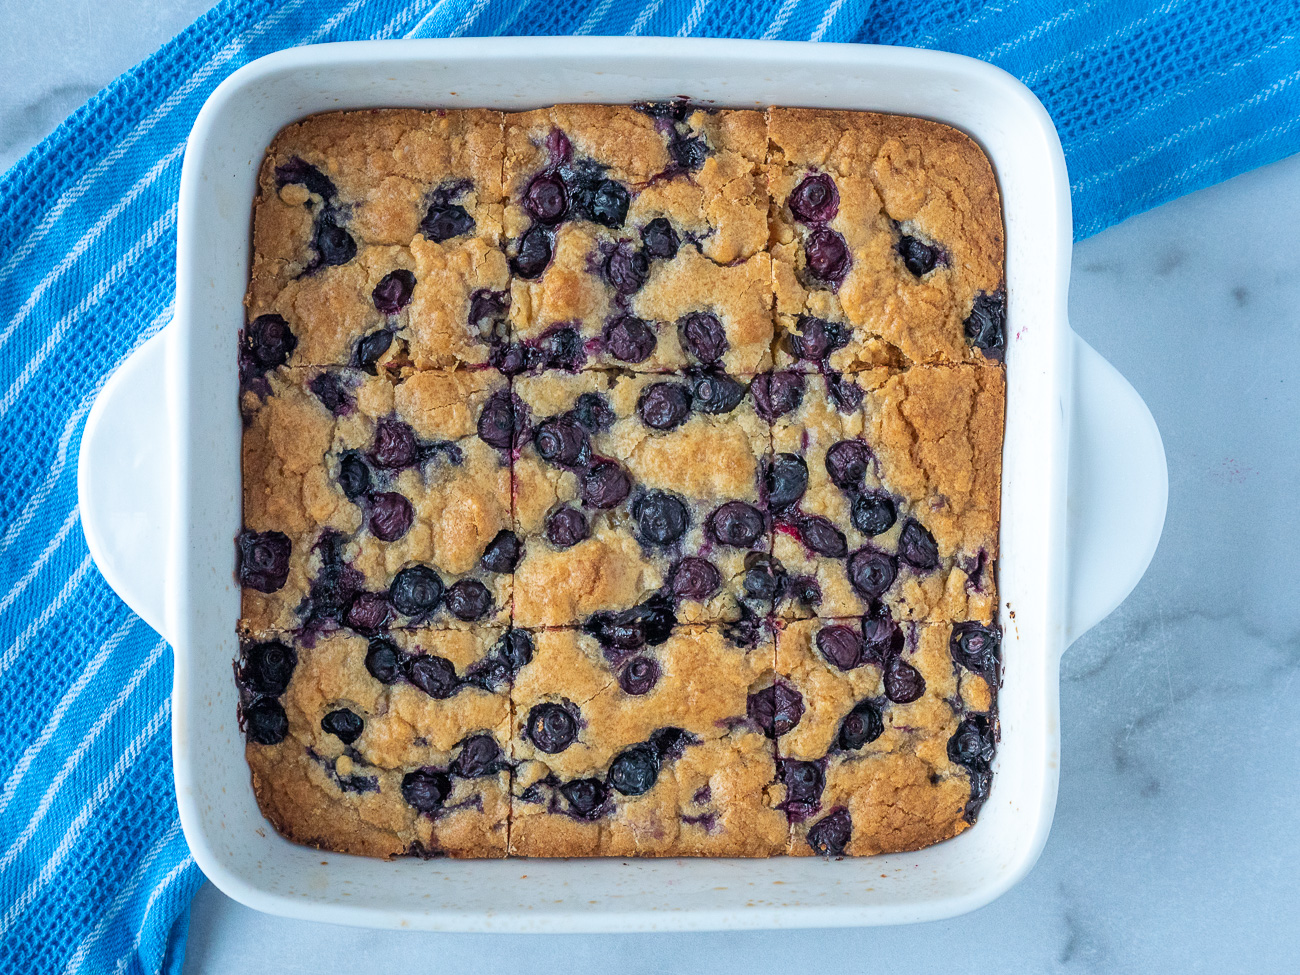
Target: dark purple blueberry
369,613
786,479
695,578
551,728
829,836
661,519
688,153
776,709
605,485
660,239
861,726
626,268
981,781
559,147
468,600
393,292
977,648
847,463
745,631
266,721
664,406
434,675
496,424
567,526
844,393
871,572
777,393
516,648
390,516
816,199
919,257
882,640
822,537
343,724
561,440
269,342
736,523
263,560
370,348
638,676
619,631
384,661
480,755
873,513
585,796
803,782
426,790
716,393
917,547
703,336
333,244
629,339
972,744
395,445
507,656
534,252
805,590
545,198
604,201
671,742
561,348
268,667
903,682
416,591
657,618
635,770
816,338
765,577
502,553
445,221
986,324
486,306
329,389
675,108
828,255
592,411
840,646
298,170
354,476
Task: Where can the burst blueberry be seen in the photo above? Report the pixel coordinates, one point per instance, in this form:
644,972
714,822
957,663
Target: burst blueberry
918,257
786,480
369,613
977,648
775,709
816,338
502,553
370,349
268,341
585,797
626,268
480,755
830,835
903,682
263,562
354,476
384,661
985,326
660,239
533,253
445,221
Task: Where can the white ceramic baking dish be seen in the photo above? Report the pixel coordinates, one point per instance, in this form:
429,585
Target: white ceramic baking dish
1084,487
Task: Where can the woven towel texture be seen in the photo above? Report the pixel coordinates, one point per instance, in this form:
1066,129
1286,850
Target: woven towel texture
1151,99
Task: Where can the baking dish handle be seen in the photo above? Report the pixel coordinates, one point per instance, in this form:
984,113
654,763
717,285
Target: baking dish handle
1119,489
123,481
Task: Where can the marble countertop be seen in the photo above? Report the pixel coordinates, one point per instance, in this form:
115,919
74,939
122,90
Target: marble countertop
1174,847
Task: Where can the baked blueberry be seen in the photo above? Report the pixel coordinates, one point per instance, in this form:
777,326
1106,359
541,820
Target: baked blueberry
298,170
586,797
765,577
626,268
903,682
871,572
551,728
496,424
671,742
847,463
468,600
434,675
977,648
695,578
716,393
777,393
805,590
873,513
629,339
601,200
426,789
985,326
829,836
688,152
703,336
918,257
635,770
370,348
263,560
736,523
592,411
266,721
816,338
660,239
443,221
487,306
822,537
390,516
344,725
637,677
369,613
502,553
881,637
562,441
664,406
566,526
660,517
329,389
332,243
844,393
268,341
393,292
972,743
268,667
508,655
803,782
776,709
354,476
815,200
560,347
617,631
546,199
828,255
861,726
605,485
480,755
786,480
917,547
416,591
395,445
384,661
840,646
534,252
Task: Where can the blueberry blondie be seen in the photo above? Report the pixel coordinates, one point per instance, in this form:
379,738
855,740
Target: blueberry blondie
621,481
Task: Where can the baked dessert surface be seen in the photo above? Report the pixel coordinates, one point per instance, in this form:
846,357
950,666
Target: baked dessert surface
621,481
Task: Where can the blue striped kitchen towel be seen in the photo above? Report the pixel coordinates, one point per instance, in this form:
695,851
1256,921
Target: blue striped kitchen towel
1152,99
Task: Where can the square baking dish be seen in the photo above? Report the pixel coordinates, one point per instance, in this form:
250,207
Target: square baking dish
1084,487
